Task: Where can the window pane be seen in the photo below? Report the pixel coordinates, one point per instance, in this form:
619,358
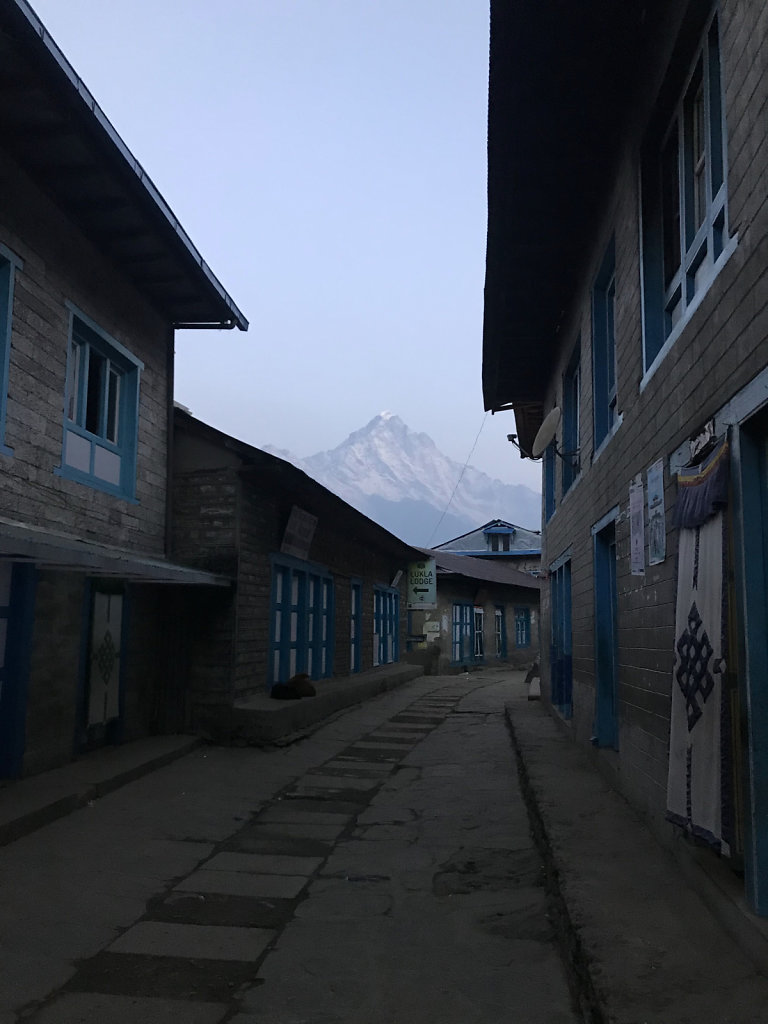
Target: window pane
113,405
670,206
95,391
715,109
73,380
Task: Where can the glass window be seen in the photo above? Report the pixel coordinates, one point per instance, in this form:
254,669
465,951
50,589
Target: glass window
101,429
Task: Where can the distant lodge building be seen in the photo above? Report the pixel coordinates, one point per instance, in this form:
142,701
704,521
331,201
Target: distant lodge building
487,613
501,541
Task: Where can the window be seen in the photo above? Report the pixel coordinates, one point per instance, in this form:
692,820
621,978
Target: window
301,622
479,645
604,348
685,224
561,642
8,265
386,622
461,634
500,632
522,627
355,622
101,410
549,481
571,396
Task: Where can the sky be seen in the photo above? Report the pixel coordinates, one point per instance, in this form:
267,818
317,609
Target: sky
328,159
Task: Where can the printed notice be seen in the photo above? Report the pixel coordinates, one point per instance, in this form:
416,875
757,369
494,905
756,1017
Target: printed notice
637,526
657,529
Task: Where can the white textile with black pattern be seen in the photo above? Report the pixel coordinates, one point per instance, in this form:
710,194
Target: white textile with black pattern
694,784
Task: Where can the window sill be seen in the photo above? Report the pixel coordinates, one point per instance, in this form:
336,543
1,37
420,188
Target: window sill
95,483
680,326
607,439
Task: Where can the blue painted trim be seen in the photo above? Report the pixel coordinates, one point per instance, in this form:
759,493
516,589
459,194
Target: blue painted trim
753,572
604,350
609,517
356,586
560,560
522,627
571,419
549,474
15,694
91,337
606,724
500,608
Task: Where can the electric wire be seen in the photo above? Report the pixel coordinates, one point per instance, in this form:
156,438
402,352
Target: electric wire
461,477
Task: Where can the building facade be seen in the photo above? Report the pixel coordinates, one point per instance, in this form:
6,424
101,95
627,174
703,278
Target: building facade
627,288
319,587
500,541
487,613
95,275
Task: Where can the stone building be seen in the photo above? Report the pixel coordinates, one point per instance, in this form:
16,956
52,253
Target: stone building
487,613
319,587
627,290
499,541
95,275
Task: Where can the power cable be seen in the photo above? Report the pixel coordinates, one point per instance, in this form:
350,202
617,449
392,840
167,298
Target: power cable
461,477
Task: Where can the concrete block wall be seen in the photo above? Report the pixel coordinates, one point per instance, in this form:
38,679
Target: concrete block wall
60,265
722,347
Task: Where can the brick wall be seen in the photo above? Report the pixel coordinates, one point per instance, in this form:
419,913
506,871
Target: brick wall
59,264
720,350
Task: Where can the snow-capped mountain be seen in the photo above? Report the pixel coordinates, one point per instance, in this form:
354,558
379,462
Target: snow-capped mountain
403,481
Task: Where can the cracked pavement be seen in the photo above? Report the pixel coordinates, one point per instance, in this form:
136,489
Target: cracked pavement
380,871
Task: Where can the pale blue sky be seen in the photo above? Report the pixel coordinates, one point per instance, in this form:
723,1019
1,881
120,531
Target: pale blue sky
327,157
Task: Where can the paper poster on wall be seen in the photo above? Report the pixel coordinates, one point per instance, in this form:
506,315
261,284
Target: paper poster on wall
637,526
657,528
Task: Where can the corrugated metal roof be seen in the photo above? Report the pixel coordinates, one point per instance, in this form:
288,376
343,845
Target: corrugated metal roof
483,569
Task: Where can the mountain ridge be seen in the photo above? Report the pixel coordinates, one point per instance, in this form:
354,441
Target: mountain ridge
401,479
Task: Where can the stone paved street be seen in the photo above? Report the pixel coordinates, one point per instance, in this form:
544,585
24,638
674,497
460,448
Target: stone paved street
379,871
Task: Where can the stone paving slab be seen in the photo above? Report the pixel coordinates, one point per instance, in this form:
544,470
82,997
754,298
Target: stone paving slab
240,883
285,813
88,1008
200,942
275,831
262,863
335,782
348,765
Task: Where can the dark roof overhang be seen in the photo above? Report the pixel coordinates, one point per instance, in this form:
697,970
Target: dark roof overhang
53,128
564,80
46,549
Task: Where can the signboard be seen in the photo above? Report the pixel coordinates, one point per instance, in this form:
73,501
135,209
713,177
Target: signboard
422,584
299,533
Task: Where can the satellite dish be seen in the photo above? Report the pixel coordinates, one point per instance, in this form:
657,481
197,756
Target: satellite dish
546,432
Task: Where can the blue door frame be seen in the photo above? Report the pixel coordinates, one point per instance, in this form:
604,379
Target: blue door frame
606,730
18,615
561,658
751,452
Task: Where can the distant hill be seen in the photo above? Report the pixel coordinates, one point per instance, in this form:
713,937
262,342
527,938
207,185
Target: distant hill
401,480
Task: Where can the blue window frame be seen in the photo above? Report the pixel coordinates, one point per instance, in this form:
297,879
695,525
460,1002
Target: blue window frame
301,621
355,624
605,410
522,627
549,481
100,410
386,625
685,209
500,631
462,634
479,633
8,266
571,404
